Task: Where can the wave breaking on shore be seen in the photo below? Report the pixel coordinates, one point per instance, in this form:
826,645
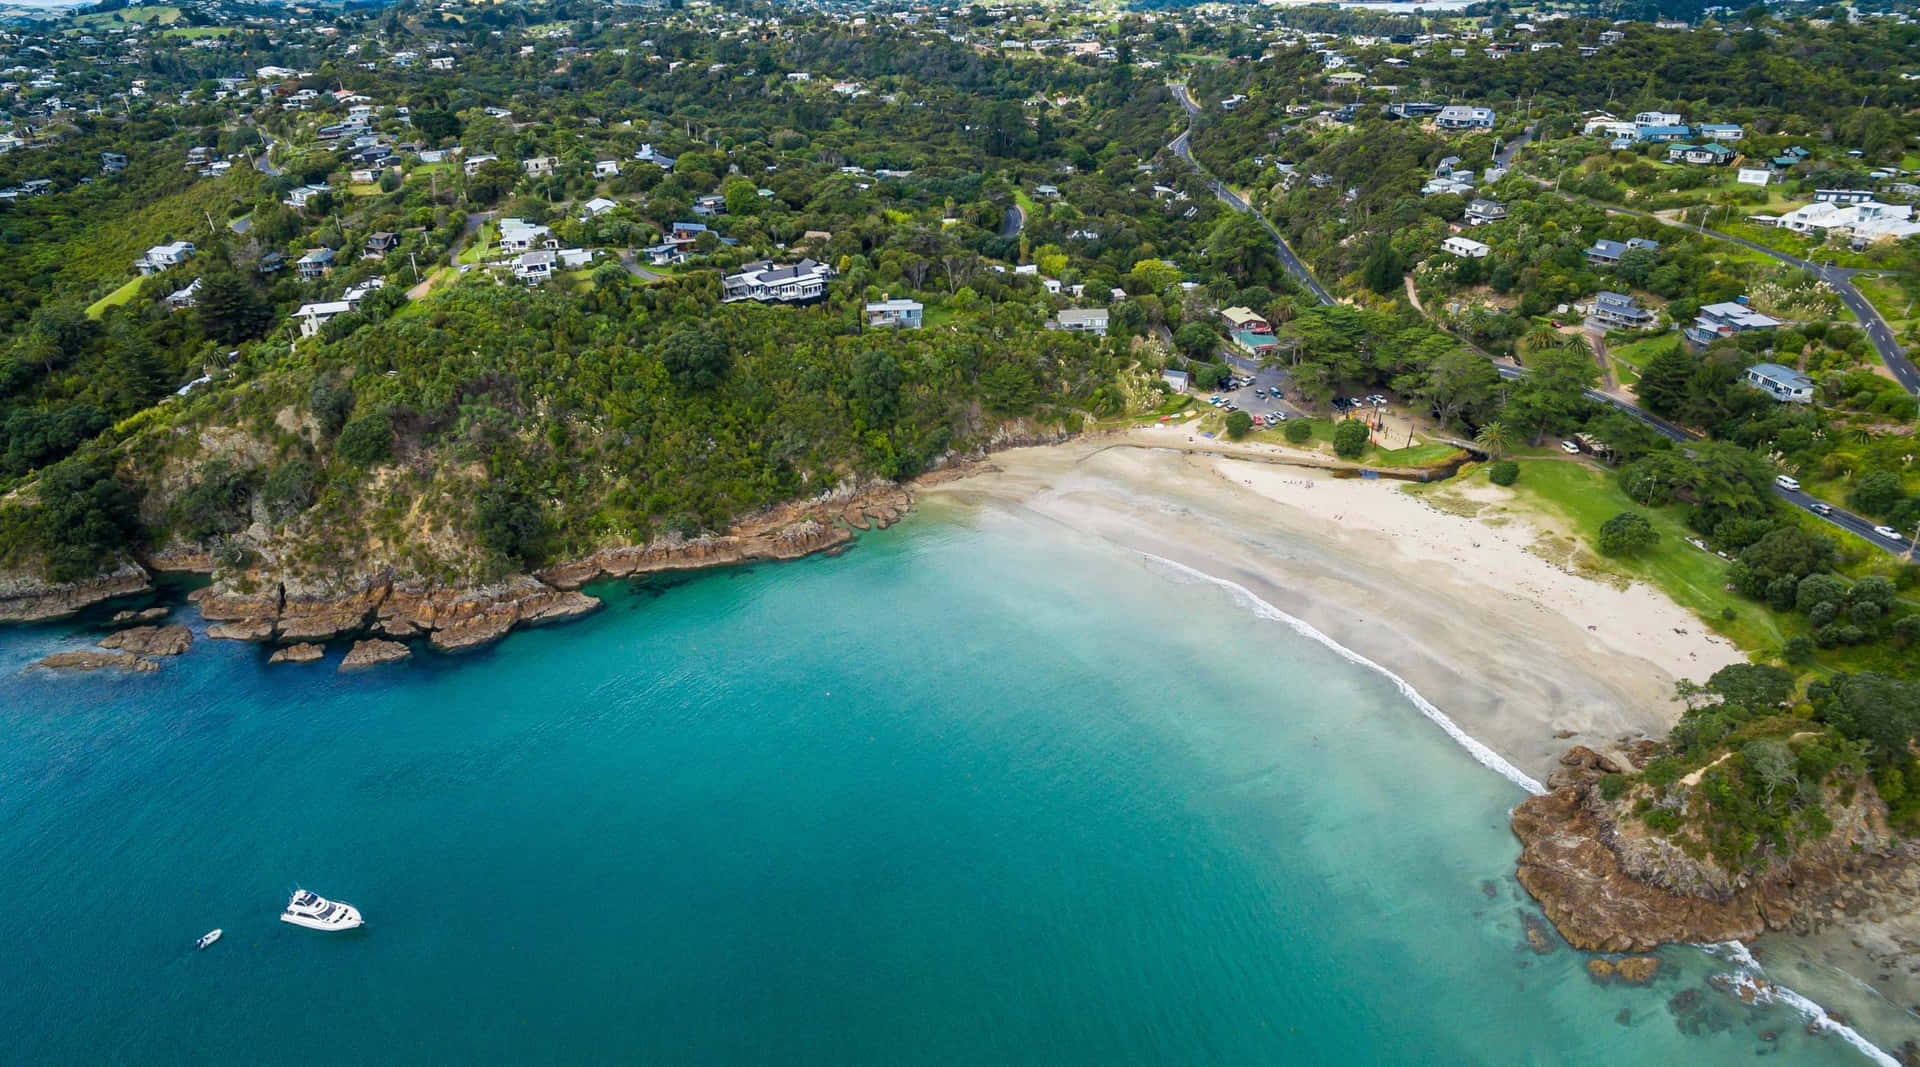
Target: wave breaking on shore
1482,754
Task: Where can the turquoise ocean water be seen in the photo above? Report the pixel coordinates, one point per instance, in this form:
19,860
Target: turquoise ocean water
976,792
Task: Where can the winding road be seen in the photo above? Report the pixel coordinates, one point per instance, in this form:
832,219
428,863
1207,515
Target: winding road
1182,146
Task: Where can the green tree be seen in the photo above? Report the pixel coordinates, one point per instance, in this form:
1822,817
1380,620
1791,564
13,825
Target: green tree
1627,534
1503,472
695,358
1662,388
230,309
1239,424
1494,438
1195,340
83,518
1878,493
366,441
1299,431
1350,437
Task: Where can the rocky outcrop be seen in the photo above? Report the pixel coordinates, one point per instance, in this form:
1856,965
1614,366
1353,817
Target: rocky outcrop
374,651
1630,970
150,615
151,640
1610,884
257,607
27,597
95,661
787,532
302,653
453,618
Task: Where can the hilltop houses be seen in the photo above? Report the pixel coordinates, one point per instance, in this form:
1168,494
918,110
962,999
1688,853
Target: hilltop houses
1465,248
1605,253
1784,384
763,281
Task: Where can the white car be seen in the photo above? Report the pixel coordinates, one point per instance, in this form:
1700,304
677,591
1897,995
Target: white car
1887,532
1571,448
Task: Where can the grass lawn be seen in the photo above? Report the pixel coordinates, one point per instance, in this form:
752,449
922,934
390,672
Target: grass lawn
476,250
1901,311
114,299
1581,496
1631,358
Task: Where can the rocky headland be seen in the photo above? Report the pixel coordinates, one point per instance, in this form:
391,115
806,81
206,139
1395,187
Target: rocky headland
1610,884
258,606
29,597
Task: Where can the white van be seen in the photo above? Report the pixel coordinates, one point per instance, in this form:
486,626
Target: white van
1784,482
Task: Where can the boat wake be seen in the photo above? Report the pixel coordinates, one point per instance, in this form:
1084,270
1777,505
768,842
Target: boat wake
1485,756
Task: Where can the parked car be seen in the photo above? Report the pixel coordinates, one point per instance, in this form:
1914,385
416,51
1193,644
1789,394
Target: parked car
1571,448
1887,532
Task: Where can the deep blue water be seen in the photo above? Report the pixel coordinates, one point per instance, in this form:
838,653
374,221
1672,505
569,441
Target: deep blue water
975,792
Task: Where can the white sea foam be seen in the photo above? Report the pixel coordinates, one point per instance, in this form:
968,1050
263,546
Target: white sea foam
1750,978
1487,757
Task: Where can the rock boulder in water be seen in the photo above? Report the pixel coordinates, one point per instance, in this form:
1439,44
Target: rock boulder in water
374,651
151,640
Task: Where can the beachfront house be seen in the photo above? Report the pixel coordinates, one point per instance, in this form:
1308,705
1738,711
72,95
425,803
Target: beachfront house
1784,384
895,314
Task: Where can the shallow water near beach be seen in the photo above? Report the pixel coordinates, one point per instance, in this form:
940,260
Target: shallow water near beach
978,791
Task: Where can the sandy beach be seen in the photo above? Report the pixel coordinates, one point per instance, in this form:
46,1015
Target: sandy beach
1525,656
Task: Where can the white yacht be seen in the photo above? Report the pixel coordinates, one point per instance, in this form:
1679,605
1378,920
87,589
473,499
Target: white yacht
316,912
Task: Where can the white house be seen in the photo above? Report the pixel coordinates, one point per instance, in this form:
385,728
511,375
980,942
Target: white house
1081,320
1457,117
597,207
519,235
313,317
535,267
1782,383
160,257
606,168
1464,247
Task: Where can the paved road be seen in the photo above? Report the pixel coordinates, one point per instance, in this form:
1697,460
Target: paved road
1013,221
1504,157
1182,146
1846,520
1892,353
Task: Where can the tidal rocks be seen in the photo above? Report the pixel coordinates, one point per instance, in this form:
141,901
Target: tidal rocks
1538,939
300,653
246,630
150,615
151,640
95,661
28,597
1630,970
374,651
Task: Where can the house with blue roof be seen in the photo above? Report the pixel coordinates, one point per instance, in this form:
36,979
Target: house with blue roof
1664,134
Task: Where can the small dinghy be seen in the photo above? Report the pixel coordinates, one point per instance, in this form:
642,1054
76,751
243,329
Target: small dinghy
206,939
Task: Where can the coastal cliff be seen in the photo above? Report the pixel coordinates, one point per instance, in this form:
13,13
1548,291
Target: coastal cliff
29,597
1611,884
284,609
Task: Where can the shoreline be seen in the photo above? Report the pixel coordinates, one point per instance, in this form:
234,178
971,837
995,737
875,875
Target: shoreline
1528,666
